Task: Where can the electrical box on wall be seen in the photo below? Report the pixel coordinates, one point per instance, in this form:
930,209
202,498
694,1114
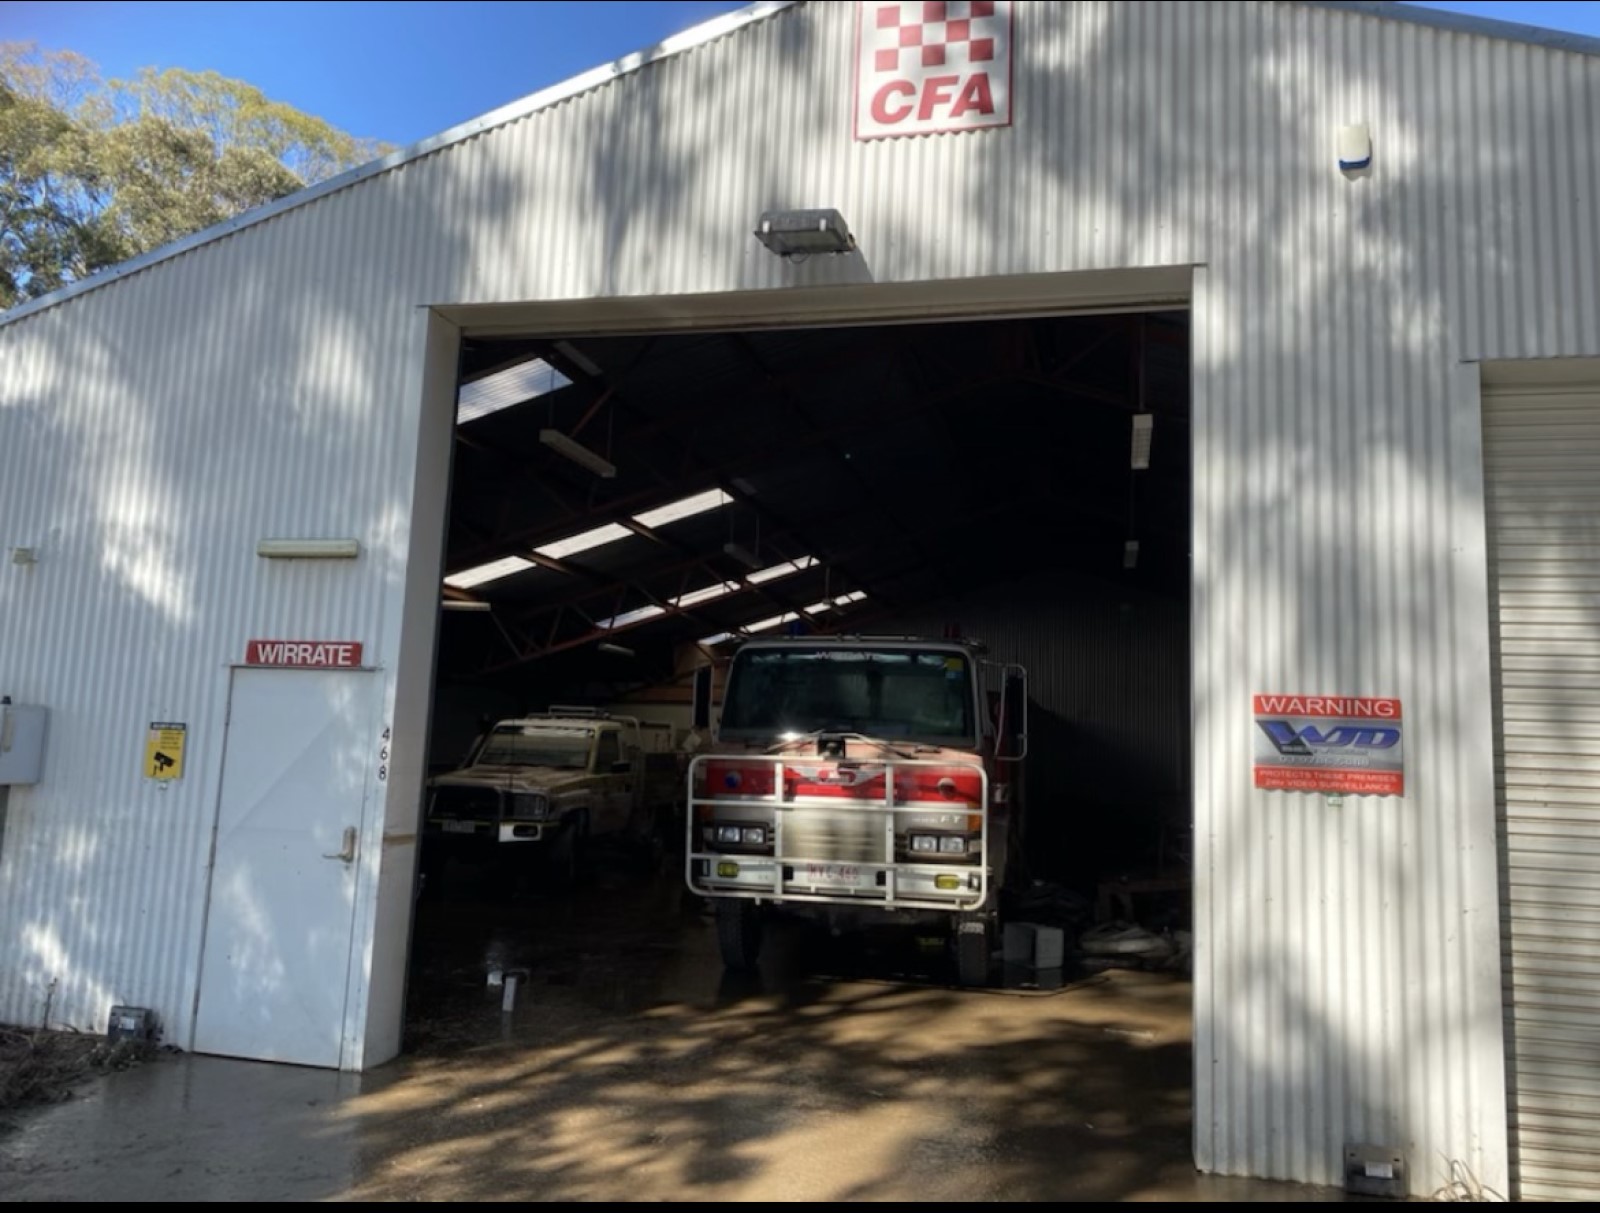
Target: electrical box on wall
21,742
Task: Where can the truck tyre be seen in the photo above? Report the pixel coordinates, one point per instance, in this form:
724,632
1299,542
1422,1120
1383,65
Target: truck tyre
739,932
566,859
973,942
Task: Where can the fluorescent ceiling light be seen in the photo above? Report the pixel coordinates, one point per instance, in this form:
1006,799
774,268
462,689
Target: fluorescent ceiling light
828,604
571,448
698,504
1143,425
457,604
493,571
616,650
634,616
503,389
694,597
613,531
584,541
712,641
797,565
762,625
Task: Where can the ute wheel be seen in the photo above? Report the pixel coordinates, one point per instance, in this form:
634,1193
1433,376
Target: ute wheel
566,859
973,942
739,932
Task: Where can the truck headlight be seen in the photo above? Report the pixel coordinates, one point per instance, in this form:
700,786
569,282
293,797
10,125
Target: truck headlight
952,845
924,843
529,806
733,834
754,836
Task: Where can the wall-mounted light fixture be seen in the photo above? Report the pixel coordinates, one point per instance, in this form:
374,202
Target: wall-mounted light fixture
578,453
1355,148
309,549
802,233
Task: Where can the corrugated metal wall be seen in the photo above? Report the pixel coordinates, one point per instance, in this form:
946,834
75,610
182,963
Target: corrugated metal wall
1108,682
1347,983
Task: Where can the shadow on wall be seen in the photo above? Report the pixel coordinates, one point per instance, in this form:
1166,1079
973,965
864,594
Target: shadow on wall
161,447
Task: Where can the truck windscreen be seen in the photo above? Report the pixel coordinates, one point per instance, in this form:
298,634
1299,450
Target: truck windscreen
912,695
522,747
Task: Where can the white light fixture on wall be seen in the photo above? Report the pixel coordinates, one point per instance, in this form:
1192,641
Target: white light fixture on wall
308,549
1355,148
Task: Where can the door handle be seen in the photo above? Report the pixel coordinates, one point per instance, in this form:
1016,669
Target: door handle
348,853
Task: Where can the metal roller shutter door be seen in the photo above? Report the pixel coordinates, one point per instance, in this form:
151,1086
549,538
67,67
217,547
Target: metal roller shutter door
1542,472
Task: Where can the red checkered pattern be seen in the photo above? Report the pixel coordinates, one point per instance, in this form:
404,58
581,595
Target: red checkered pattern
936,34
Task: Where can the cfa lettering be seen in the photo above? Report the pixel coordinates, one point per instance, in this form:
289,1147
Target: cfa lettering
941,96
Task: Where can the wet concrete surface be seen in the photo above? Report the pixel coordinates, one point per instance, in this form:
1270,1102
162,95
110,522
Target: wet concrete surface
632,1068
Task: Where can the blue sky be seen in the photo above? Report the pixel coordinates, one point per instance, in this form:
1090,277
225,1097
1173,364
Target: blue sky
403,71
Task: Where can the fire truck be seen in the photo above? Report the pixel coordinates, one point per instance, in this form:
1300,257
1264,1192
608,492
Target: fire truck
858,780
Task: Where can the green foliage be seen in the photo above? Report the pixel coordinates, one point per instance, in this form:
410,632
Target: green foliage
93,172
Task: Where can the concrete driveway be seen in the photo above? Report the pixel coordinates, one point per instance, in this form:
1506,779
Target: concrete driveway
631,1069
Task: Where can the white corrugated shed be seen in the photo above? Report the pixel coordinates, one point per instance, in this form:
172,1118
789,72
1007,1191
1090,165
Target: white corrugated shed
271,382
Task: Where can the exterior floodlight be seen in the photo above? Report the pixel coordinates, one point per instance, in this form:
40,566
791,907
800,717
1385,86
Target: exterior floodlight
801,233
578,453
308,549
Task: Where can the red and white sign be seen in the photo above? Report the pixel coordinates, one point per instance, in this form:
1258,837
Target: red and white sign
305,654
926,69
1335,744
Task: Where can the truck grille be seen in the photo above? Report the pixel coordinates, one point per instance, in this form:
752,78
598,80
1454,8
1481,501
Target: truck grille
472,804
835,836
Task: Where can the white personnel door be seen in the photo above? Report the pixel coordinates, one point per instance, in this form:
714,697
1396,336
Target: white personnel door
276,960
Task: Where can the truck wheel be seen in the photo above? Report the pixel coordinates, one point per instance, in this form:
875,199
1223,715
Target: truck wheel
973,942
739,932
566,859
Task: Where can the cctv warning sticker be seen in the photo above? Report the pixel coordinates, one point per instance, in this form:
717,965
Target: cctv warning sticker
1329,743
163,750
927,69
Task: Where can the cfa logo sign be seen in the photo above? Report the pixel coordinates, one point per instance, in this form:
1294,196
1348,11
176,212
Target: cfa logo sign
926,69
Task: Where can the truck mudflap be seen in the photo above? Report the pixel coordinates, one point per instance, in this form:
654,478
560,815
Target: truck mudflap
891,832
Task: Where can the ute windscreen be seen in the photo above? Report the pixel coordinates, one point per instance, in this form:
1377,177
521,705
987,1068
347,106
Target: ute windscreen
514,746
891,693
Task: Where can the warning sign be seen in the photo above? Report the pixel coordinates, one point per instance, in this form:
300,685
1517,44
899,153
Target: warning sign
1336,744
163,750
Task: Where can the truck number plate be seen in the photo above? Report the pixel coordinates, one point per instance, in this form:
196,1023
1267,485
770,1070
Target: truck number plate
833,873
459,827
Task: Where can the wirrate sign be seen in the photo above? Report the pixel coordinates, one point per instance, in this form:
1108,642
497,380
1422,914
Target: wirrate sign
1329,743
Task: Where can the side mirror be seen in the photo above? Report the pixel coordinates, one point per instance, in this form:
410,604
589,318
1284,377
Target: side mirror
621,768
1011,729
